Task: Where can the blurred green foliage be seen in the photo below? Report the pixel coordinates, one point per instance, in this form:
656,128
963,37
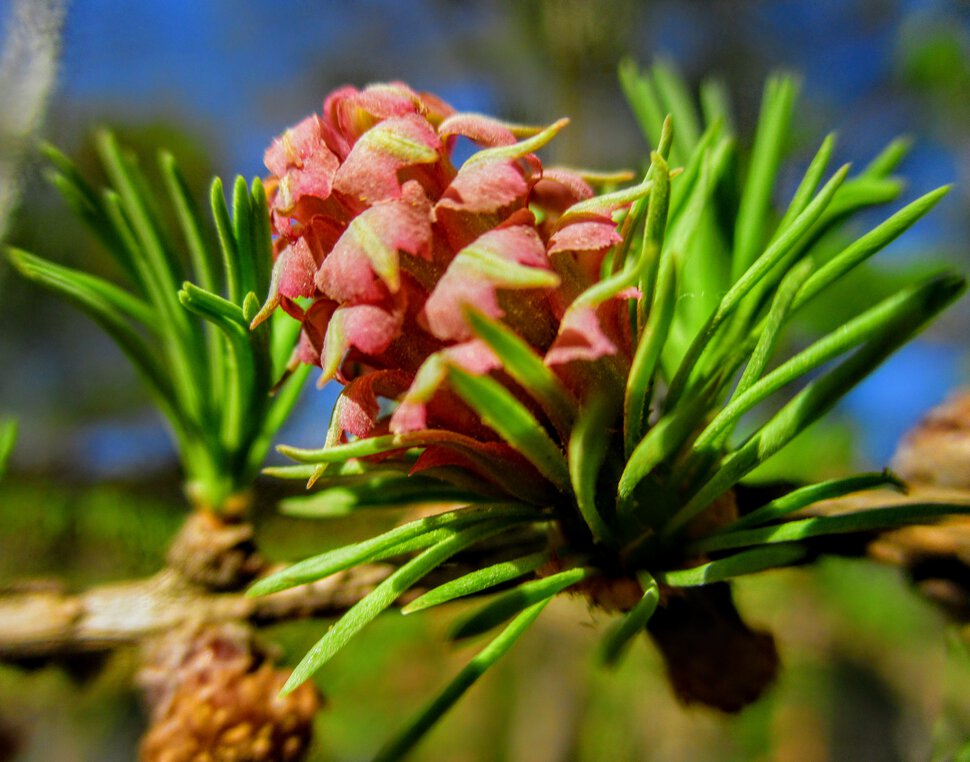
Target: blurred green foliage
870,671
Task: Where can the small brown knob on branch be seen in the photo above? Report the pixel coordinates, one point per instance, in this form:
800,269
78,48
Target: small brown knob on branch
215,553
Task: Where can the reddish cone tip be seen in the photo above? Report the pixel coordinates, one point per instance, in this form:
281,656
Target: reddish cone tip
391,242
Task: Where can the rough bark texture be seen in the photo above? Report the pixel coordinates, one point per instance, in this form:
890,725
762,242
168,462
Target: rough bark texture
47,624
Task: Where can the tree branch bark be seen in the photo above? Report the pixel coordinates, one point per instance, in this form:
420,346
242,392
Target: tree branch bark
39,621
47,624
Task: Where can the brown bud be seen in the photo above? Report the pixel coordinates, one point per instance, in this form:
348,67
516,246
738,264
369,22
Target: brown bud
712,656
935,458
937,451
214,695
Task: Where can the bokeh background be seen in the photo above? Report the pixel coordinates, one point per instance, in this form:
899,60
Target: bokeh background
872,673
